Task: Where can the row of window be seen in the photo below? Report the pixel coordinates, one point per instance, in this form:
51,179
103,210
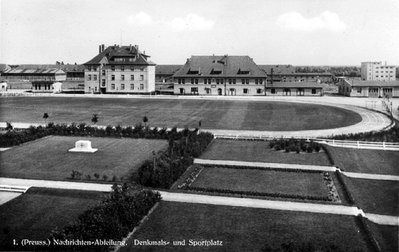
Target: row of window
218,81
122,87
122,68
89,77
258,90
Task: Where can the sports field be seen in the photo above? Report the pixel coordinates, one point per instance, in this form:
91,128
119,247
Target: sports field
48,158
262,181
213,114
259,151
244,229
38,211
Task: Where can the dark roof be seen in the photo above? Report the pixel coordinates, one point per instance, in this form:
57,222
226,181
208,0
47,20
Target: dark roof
224,66
120,51
65,67
167,69
360,83
299,84
278,69
33,71
4,67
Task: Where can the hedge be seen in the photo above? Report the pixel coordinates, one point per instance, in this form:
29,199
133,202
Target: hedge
347,193
113,219
243,167
391,135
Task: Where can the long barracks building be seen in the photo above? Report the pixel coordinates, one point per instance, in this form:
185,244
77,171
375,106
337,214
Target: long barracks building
120,69
220,75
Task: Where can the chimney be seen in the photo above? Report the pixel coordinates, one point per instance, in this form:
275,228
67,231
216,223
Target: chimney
99,49
102,48
130,48
137,47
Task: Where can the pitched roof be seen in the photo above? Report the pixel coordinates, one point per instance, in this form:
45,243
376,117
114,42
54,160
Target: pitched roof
278,69
299,84
33,71
360,83
121,51
65,68
4,67
223,66
167,69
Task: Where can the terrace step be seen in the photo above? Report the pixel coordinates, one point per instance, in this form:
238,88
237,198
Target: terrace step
8,188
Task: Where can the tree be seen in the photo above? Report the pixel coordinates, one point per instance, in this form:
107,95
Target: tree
145,120
94,119
9,126
45,116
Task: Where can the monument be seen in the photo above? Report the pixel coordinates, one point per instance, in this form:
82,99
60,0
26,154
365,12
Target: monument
83,146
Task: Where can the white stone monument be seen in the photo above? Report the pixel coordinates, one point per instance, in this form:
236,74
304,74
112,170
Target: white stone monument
83,146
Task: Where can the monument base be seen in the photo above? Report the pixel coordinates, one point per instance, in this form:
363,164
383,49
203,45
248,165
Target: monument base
83,150
83,146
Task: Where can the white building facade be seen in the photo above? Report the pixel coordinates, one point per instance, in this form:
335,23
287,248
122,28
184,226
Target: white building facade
377,71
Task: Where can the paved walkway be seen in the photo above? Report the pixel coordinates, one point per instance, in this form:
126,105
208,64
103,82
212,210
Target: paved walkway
213,200
265,165
383,219
371,176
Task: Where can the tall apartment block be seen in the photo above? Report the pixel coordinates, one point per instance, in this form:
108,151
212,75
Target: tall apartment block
377,71
120,69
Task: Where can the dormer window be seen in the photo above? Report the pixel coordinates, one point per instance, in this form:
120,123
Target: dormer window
243,71
193,71
216,71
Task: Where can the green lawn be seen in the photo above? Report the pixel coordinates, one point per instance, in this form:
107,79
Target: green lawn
259,151
375,196
264,181
386,236
48,158
214,114
38,211
244,229
366,161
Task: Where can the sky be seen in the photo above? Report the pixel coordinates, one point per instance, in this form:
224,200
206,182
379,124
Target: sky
296,32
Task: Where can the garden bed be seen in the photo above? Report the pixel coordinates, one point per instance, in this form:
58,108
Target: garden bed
261,182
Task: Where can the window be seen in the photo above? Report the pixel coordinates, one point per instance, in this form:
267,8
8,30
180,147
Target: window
243,81
123,86
230,81
245,90
256,81
183,81
103,82
205,81
103,72
132,68
94,68
112,77
113,86
122,77
209,81
247,81
260,81
192,81
94,76
113,68
131,86
131,77
196,81
259,91
359,90
234,81
221,81
89,77
141,77
89,68
179,81
313,91
141,86
273,91
217,81
122,68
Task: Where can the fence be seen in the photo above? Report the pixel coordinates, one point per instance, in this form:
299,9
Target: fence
332,142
